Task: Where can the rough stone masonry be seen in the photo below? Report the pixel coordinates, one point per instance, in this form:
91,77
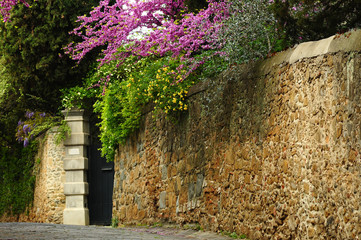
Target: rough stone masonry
270,150
49,198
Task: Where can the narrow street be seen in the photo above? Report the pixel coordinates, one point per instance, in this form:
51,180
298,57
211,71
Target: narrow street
40,231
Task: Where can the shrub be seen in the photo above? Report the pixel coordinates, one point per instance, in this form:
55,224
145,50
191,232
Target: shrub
249,33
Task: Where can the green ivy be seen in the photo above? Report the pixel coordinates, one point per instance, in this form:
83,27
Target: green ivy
146,81
16,178
123,90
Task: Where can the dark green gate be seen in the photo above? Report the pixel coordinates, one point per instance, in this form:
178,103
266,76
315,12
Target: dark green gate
100,179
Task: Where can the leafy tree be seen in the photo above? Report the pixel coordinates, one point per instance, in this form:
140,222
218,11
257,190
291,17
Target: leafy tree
250,31
31,44
32,73
316,19
195,5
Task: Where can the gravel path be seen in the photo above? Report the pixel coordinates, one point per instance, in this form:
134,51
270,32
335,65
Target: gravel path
39,231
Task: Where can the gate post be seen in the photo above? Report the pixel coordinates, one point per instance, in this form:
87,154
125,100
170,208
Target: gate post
76,188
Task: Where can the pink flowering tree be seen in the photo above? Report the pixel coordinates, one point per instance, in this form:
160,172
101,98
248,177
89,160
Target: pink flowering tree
144,28
7,5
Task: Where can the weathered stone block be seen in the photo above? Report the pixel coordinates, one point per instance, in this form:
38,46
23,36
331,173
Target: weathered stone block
199,185
75,176
79,163
77,139
76,201
77,188
162,200
76,216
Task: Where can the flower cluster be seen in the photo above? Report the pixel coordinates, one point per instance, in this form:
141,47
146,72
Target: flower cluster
161,87
172,30
36,123
150,81
7,5
25,128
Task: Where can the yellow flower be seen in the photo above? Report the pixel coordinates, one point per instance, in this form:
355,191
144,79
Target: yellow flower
180,103
129,85
174,100
185,107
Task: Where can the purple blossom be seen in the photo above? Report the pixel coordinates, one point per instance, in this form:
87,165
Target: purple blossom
25,127
7,5
26,142
29,114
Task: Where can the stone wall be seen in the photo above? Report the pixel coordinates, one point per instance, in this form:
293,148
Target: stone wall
49,198
270,150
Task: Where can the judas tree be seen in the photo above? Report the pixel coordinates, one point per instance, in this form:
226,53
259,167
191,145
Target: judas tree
144,28
7,5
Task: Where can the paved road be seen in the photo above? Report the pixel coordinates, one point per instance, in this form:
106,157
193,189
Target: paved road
40,231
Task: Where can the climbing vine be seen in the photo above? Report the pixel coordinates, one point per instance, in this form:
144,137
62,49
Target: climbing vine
16,178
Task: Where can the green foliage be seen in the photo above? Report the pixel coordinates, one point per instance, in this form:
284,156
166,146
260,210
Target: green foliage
3,81
84,96
63,132
214,64
250,32
31,74
16,178
157,224
315,19
234,235
30,45
37,123
125,90
194,226
115,222
194,5
146,81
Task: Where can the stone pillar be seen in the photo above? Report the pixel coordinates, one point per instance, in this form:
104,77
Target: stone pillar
76,188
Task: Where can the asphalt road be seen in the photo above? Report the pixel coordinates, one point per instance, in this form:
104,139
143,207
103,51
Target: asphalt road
39,231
